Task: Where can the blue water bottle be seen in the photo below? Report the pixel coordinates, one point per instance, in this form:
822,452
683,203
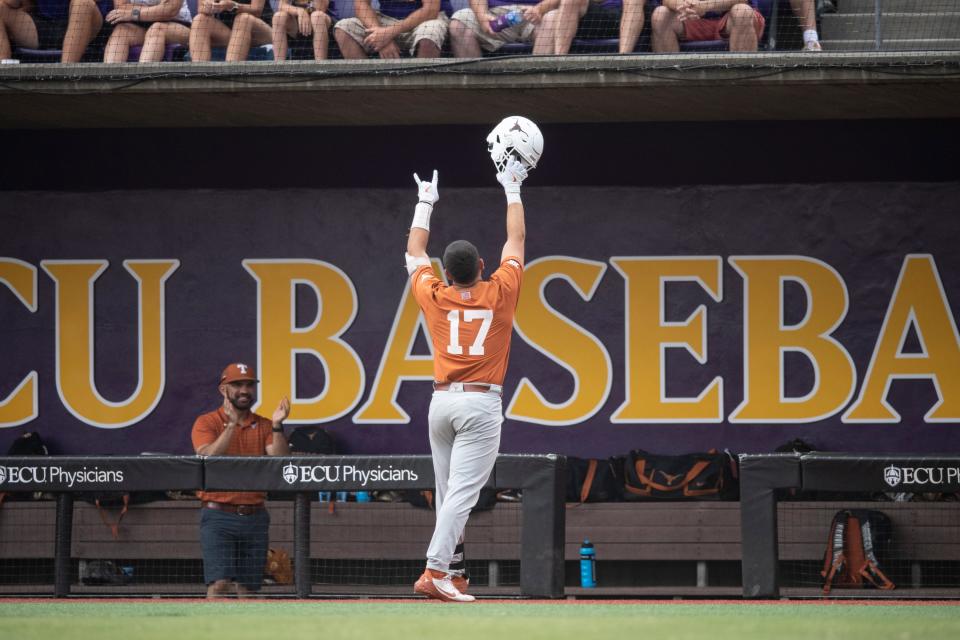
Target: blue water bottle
588,565
506,21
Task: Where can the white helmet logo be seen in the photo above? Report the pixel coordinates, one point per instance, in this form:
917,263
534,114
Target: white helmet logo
243,368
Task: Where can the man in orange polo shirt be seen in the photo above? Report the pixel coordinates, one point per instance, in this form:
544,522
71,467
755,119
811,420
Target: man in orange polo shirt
234,524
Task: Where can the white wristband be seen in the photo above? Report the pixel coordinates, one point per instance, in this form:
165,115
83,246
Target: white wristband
513,198
421,216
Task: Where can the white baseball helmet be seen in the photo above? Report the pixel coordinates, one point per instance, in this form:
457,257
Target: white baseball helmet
517,136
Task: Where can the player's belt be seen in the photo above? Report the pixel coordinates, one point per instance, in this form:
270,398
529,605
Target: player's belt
473,387
239,509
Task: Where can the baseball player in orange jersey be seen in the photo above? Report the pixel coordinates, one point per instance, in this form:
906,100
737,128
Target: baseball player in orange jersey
470,323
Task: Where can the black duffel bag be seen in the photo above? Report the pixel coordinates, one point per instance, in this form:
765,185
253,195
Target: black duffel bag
693,476
594,480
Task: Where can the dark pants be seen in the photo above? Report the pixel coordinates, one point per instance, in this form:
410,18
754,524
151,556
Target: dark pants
234,546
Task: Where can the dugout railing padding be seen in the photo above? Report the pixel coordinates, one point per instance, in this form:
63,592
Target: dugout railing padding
762,475
540,477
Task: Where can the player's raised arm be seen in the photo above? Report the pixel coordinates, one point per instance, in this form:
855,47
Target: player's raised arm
420,227
515,146
511,178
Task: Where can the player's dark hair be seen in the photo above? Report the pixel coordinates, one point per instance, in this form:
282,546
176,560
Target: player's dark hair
462,260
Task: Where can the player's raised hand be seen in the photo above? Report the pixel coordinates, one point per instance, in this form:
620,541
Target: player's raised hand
512,176
428,190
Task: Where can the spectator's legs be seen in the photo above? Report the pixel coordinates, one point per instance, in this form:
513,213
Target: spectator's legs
564,24
16,26
284,26
159,35
561,25
806,13
741,28
463,41
247,30
321,34
206,32
124,36
84,23
631,24
667,29
544,35
427,49
350,48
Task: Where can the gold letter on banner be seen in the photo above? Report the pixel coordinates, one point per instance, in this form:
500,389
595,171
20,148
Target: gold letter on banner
918,301
397,363
649,335
766,340
279,340
20,406
563,342
74,281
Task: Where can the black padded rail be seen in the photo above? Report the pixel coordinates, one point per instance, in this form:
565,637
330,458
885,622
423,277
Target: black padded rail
541,477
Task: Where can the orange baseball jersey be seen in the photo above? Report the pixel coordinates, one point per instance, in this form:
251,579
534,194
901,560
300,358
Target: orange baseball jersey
250,439
470,328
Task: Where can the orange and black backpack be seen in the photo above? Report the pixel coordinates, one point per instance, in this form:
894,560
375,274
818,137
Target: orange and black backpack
857,538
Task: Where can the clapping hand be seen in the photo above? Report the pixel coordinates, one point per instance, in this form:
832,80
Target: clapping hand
281,413
233,418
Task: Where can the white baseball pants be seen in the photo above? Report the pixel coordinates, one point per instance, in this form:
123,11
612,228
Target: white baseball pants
464,439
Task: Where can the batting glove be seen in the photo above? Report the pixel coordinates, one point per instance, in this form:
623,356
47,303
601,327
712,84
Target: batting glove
511,178
428,196
428,190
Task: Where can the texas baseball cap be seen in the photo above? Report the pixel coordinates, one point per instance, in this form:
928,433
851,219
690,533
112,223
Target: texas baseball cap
236,372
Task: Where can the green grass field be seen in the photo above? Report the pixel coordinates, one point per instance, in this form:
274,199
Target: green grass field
330,620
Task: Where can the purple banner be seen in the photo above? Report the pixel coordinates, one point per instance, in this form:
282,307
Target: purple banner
672,320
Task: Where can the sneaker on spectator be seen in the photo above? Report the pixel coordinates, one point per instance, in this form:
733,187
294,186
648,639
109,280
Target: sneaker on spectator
812,46
440,586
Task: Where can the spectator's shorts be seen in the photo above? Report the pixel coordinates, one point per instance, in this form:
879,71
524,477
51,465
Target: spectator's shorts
599,22
522,32
234,546
433,30
713,28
